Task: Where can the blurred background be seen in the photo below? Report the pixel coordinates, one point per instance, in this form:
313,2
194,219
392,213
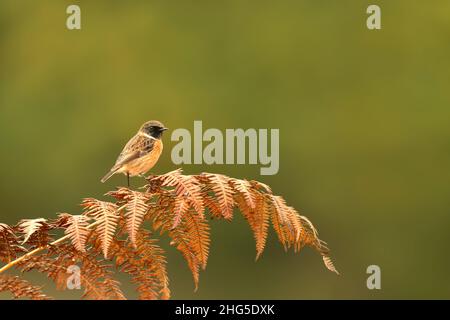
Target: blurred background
364,119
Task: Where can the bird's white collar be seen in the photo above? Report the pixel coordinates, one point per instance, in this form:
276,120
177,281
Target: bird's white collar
147,135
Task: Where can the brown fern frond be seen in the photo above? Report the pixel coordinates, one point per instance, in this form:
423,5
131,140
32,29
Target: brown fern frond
294,226
174,204
119,194
125,262
186,186
154,260
280,228
223,193
61,221
259,186
29,226
245,188
135,211
284,221
181,242
213,207
20,288
107,216
190,237
97,280
55,267
310,236
181,207
161,212
95,276
10,247
146,263
35,231
257,218
329,263
197,232
77,230
280,207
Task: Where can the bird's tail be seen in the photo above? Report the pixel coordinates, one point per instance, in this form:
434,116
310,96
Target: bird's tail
108,175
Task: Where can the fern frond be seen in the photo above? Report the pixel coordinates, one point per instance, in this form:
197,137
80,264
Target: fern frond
280,208
259,186
136,207
161,212
154,260
97,280
173,203
329,263
10,247
310,236
77,231
135,210
213,207
35,231
95,277
146,263
245,188
284,221
180,242
257,218
294,227
197,232
55,267
220,185
182,205
20,288
187,186
190,237
280,228
107,216
29,226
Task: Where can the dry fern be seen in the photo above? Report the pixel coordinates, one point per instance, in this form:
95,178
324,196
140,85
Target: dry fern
106,216
109,237
77,231
10,247
20,288
35,231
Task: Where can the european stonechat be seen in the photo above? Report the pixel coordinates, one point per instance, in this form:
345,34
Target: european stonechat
141,152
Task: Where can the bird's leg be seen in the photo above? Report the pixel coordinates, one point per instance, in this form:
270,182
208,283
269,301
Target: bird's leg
128,179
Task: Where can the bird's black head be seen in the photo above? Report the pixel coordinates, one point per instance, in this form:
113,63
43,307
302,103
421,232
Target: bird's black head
153,128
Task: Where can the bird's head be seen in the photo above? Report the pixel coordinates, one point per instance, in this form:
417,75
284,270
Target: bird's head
153,128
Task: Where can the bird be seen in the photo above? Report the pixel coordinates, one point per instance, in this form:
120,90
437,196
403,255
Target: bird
141,152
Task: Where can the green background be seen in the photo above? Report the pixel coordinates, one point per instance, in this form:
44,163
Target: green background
363,116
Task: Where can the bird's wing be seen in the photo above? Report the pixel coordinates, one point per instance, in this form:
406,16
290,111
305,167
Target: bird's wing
137,147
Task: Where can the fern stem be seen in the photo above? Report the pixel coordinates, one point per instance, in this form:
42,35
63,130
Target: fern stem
37,250
29,254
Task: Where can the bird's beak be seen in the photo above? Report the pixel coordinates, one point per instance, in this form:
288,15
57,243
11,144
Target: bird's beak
164,129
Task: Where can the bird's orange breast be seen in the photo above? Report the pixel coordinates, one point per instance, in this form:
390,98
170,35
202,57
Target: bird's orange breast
145,163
